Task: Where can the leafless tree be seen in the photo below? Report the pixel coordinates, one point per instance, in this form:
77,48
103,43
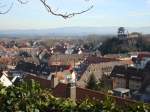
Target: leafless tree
48,8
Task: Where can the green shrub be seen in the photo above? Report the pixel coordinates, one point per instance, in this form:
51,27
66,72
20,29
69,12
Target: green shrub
29,97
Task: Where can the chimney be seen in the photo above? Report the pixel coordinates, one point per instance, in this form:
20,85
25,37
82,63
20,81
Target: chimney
54,81
71,91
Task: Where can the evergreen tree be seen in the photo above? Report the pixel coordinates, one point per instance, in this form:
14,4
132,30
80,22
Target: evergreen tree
92,83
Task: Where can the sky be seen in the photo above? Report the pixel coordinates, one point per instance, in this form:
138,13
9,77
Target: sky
33,15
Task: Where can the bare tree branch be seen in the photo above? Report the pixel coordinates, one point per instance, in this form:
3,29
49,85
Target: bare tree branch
4,12
10,7
23,2
2,6
66,15
49,9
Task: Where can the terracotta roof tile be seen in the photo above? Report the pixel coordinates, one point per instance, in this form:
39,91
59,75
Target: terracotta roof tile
82,94
43,82
60,90
143,54
95,59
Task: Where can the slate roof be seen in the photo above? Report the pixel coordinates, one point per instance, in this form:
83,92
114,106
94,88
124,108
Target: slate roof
128,72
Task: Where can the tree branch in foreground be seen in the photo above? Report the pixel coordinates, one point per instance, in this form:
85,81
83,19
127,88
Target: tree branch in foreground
65,16
4,12
23,2
10,7
48,8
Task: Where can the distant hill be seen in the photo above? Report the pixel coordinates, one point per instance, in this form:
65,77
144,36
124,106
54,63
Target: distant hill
71,31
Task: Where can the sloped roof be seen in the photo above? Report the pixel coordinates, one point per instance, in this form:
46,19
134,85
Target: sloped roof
43,82
60,90
130,72
82,94
95,59
143,54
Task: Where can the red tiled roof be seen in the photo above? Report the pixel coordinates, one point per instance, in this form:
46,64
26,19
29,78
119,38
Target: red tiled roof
6,60
143,54
44,83
82,94
60,90
94,59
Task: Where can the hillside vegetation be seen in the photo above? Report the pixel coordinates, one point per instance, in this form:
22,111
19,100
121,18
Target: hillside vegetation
116,45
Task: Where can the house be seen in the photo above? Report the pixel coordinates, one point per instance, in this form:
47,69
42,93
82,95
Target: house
4,80
26,49
98,66
134,38
80,51
44,71
69,59
59,48
127,77
143,94
93,59
7,80
52,80
69,51
14,73
137,80
76,93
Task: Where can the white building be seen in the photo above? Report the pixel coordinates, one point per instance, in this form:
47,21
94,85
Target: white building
4,80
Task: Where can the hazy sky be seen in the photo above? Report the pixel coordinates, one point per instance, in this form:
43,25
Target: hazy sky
134,13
